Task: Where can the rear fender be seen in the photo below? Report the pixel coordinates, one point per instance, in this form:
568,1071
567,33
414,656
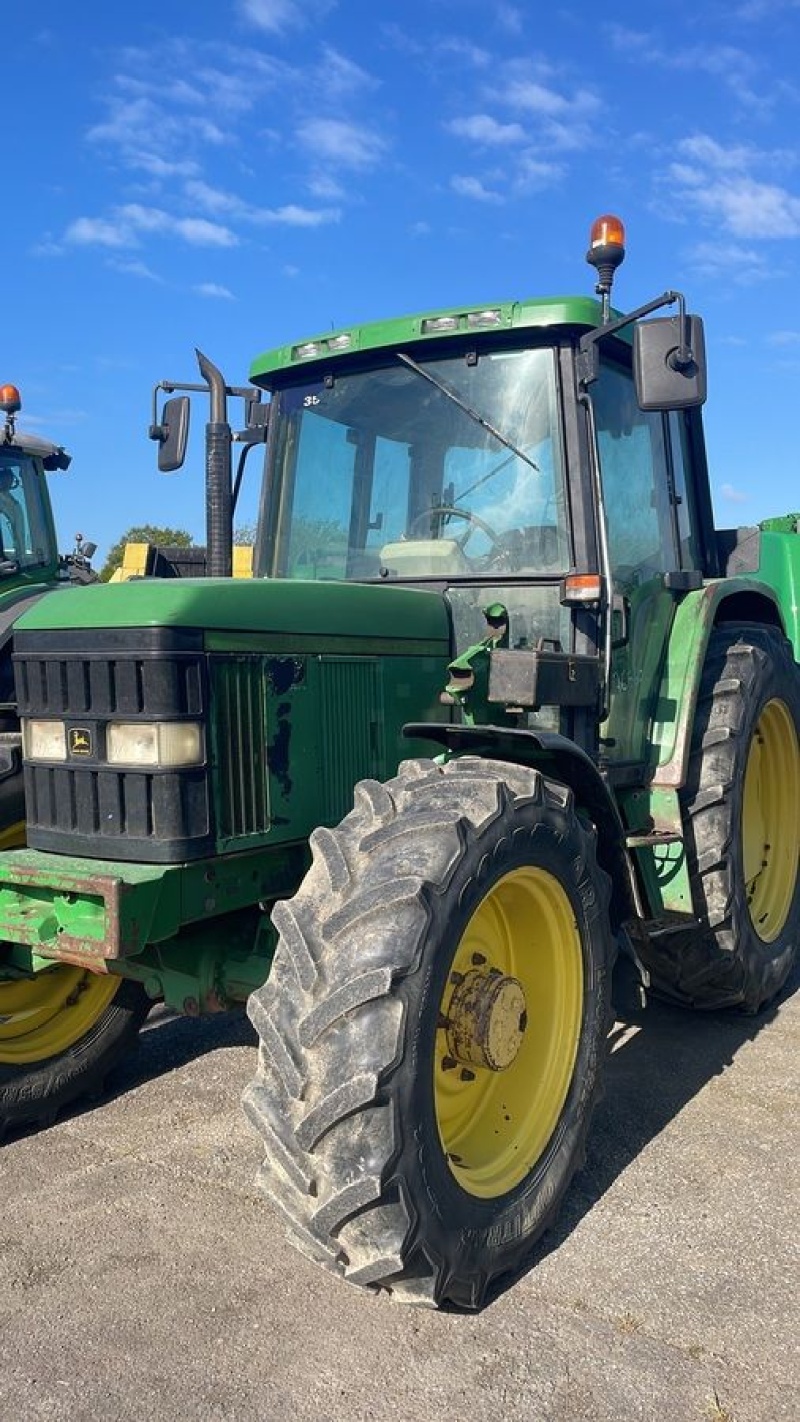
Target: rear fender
736,599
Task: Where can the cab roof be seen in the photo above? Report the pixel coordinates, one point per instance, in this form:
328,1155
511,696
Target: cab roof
576,312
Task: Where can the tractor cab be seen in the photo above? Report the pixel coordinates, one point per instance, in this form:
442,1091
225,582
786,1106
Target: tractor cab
28,548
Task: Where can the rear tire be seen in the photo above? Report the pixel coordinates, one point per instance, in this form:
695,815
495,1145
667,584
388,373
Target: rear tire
741,808
433,1030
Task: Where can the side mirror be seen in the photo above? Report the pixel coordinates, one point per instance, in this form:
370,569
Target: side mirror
59,459
172,434
669,363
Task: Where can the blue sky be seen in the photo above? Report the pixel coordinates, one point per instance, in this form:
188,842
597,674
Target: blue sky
245,173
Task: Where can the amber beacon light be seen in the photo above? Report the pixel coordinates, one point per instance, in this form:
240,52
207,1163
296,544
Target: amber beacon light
606,252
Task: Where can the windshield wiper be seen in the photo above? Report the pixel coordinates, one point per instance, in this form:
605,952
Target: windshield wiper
473,415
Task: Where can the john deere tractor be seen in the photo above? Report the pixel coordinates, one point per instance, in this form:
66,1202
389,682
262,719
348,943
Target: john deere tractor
502,734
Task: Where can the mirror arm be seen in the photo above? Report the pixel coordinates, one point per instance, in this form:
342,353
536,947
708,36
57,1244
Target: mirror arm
588,365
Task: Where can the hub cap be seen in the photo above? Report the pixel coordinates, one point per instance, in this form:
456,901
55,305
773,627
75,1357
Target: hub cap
508,1032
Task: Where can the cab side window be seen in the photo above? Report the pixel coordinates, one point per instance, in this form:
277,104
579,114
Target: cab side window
636,480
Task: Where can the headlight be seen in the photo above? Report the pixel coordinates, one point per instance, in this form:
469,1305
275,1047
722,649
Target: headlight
157,743
44,740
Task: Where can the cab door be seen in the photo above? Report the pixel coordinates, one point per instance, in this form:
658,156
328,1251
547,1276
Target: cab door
644,528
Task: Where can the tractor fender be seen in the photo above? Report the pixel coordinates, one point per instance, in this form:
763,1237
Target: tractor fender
561,758
736,599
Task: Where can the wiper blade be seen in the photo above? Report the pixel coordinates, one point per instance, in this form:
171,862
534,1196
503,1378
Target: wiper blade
468,410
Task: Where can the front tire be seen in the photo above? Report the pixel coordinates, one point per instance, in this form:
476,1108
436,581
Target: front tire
433,1029
61,1032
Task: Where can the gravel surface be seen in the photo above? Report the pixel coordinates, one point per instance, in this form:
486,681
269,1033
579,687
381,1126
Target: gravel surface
141,1275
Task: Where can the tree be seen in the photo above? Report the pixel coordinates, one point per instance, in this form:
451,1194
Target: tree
144,533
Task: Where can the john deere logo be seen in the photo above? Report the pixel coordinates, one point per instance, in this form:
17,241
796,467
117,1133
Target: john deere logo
80,741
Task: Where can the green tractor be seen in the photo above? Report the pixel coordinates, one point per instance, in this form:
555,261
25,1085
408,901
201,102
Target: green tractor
502,732
30,565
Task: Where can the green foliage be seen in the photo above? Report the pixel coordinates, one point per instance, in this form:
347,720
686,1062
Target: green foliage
143,533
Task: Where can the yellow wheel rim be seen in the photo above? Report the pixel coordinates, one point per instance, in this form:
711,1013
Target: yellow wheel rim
508,1032
43,1016
13,837
771,820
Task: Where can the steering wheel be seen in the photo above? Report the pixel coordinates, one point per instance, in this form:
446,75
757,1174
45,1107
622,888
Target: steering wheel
443,511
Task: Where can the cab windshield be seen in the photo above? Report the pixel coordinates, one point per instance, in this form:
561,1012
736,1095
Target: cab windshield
427,468
23,528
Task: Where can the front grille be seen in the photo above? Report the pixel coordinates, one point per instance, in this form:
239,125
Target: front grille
85,806
239,689
64,684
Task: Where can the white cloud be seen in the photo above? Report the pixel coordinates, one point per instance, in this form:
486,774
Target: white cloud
212,289
537,98
213,199
159,167
730,261
216,200
763,9
335,140
127,225
200,233
534,173
471,54
736,69
275,16
509,18
471,187
292,215
556,117
323,185
485,130
734,496
98,232
717,182
135,269
144,125
339,77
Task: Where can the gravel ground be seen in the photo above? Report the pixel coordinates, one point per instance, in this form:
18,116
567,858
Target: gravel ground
141,1276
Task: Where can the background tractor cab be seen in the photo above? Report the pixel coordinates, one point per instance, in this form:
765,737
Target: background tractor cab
30,565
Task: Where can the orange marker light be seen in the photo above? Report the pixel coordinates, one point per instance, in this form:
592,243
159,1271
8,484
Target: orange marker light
606,230
581,588
10,400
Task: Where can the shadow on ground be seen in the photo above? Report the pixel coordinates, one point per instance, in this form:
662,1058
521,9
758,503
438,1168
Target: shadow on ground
658,1064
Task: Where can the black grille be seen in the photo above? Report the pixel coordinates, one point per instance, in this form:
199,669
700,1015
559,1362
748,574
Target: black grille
240,689
87,680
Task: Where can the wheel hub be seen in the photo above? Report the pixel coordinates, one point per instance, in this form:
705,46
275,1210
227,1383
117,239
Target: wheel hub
486,1020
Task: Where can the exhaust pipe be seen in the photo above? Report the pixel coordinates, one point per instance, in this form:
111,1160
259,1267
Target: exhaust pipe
219,500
